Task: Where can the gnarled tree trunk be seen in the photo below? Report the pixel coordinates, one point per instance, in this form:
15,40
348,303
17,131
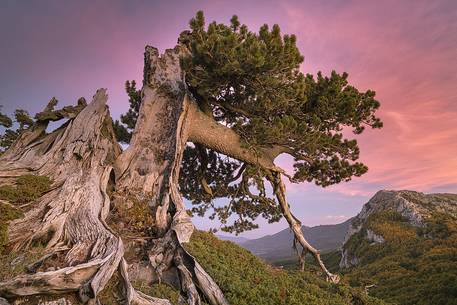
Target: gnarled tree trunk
70,218
92,177
149,169
88,170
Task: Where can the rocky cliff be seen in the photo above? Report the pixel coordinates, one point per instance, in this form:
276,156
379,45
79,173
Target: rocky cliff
411,207
403,245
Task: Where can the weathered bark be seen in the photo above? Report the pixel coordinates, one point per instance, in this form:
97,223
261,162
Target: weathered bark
149,169
79,158
82,157
89,171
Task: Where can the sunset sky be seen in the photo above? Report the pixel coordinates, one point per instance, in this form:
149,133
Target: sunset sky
404,50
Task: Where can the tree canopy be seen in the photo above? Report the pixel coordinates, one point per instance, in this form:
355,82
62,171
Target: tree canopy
11,131
252,83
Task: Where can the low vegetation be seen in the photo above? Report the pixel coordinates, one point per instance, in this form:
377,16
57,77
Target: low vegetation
330,258
244,278
414,265
25,189
247,280
22,191
14,201
7,213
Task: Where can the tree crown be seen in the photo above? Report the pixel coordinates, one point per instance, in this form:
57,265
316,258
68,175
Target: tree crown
11,131
252,83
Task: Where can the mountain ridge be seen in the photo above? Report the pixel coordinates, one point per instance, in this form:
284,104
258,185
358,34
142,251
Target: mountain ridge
403,244
279,245
414,207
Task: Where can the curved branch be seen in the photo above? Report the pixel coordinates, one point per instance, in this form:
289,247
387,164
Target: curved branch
280,192
207,132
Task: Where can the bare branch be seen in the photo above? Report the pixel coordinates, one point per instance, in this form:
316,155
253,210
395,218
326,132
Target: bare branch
280,192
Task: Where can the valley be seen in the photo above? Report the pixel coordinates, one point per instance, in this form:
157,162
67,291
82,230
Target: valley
402,248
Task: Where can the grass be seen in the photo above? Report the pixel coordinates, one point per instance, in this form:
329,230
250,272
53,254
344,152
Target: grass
26,189
415,266
247,280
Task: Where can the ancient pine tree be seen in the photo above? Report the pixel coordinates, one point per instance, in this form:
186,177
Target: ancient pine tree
212,116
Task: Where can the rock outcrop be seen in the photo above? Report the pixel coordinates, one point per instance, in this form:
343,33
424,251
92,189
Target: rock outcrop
412,207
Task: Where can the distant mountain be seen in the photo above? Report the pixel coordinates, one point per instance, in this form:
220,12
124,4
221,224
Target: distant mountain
403,244
279,246
235,239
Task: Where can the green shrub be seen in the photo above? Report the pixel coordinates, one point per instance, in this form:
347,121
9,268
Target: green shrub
162,291
27,188
7,213
247,280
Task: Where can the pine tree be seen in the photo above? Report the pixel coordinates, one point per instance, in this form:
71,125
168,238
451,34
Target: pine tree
212,116
252,83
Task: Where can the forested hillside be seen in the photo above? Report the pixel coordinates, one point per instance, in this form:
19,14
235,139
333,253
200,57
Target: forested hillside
404,246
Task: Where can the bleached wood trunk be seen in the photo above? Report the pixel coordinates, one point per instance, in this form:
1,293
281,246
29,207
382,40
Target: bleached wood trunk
79,158
149,169
91,176
83,158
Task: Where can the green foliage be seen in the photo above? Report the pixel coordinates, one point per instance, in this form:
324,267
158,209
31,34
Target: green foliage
134,218
162,291
11,133
27,188
413,265
223,178
125,127
7,213
331,260
5,121
246,279
15,263
23,119
112,294
252,83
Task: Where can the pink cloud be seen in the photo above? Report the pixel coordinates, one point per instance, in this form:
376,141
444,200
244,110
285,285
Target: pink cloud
407,54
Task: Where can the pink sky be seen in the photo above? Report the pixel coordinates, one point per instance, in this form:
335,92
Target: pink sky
406,51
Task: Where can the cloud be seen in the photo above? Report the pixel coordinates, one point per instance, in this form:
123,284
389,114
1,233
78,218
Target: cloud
407,54
337,217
